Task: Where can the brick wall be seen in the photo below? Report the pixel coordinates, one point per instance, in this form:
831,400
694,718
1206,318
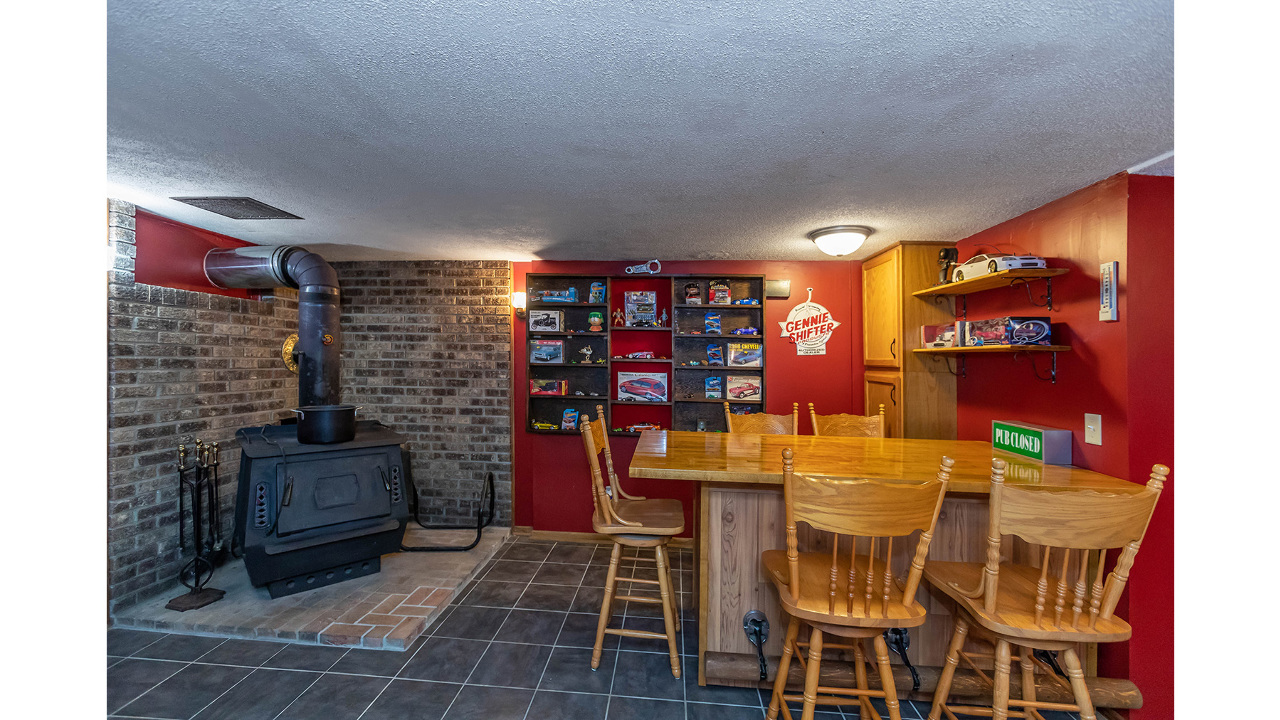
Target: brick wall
181,365
427,350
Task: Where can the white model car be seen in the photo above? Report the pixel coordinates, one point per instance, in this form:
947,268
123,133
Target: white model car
987,263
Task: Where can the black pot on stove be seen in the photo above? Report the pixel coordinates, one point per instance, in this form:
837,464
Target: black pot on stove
324,424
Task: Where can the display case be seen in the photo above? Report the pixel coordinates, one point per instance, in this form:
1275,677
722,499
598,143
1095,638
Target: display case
647,351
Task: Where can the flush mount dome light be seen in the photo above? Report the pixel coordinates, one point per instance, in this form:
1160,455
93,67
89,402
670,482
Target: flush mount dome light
840,240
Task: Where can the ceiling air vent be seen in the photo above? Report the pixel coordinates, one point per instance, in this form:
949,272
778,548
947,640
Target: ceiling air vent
238,208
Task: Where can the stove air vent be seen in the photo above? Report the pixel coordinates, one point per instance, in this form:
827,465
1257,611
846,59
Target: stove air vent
238,208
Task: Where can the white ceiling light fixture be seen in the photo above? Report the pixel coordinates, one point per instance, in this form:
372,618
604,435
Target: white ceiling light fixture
840,240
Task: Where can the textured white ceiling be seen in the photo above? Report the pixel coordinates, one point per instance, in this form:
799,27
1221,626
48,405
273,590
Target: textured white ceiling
521,129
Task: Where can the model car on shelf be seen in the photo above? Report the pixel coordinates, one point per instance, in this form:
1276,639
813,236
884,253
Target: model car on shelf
746,301
987,263
539,425
745,331
646,388
641,355
643,426
744,390
746,357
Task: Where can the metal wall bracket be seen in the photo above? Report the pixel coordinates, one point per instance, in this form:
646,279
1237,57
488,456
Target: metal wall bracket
1046,300
1053,366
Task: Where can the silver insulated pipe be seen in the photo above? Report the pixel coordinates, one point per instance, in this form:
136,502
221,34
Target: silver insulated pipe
319,343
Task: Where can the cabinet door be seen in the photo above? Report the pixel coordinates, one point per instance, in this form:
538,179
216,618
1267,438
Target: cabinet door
885,388
881,313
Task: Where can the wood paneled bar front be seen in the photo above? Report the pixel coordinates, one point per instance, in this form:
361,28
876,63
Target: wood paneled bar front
741,515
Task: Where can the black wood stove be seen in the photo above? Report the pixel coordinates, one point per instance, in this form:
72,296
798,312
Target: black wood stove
321,501
314,515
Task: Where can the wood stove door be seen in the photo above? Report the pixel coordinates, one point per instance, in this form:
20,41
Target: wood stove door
331,490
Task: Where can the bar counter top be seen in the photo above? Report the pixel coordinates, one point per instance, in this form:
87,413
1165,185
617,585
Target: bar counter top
757,459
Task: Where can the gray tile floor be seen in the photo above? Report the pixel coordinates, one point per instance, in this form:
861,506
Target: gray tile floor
516,644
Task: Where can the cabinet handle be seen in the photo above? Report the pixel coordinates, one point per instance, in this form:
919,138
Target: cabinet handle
892,399
892,343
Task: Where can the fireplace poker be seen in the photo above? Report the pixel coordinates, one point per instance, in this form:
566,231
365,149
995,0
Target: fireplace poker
200,567
182,481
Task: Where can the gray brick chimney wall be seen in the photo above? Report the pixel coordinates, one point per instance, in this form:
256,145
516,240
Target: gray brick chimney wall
427,351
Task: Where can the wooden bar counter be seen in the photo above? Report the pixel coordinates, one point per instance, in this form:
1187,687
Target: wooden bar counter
741,515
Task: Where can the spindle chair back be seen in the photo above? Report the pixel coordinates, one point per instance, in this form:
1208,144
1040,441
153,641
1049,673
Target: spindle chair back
1064,598
764,423
845,425
854,591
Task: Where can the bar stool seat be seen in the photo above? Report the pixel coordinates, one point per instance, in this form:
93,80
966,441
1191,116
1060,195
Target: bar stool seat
658,516
637,522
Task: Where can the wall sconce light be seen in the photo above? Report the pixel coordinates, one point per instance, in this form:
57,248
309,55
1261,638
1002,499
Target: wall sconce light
517,302
840,240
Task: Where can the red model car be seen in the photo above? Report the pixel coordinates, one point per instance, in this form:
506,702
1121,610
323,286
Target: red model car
741,391
645,388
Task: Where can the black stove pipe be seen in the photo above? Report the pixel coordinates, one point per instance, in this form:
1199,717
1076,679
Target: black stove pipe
319,343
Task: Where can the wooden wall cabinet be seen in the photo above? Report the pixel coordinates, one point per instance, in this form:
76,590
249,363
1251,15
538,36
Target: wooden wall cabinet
919,396
678,342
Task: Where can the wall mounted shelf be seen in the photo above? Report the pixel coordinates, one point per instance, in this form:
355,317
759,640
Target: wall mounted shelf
960,352
1004,278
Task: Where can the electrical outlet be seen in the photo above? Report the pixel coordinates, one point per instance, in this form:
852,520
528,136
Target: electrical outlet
1092,429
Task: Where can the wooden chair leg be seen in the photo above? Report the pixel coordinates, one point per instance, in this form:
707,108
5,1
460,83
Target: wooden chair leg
949,668
811,674
1000,705
606,605
1028,674
886,677
675,592
664,586
1081,691
860,676
784,666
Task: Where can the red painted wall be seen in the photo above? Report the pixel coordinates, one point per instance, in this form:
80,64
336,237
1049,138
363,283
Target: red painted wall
1121,370
171,254
1150,307
551,476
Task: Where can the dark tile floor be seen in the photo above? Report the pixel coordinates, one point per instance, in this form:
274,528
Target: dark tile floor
516,644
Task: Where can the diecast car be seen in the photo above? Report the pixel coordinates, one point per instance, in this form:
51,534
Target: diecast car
744,390
645,388
987,263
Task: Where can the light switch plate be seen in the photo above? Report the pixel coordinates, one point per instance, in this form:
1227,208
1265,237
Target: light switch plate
1092,429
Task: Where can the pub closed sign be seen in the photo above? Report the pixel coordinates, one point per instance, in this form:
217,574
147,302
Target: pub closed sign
1037,442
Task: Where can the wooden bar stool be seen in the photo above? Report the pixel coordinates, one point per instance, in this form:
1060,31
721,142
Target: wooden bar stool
631,521
845,425
763,423
1019,608
855,596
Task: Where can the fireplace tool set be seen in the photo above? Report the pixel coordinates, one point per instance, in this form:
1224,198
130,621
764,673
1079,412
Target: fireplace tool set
200,481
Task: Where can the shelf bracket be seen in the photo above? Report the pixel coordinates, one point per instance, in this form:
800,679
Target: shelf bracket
1046,299
1053,366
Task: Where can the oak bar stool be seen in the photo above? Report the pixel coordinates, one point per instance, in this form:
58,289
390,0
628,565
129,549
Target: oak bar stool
631,521
763,423
1043,608
856,596
845,425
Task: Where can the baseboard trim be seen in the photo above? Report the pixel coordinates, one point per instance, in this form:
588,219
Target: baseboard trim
528,532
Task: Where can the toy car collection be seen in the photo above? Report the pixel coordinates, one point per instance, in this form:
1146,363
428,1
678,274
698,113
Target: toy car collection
1006,331
745,331
987,263
546,296
711,323
718,292
712,388
570,420
692,295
